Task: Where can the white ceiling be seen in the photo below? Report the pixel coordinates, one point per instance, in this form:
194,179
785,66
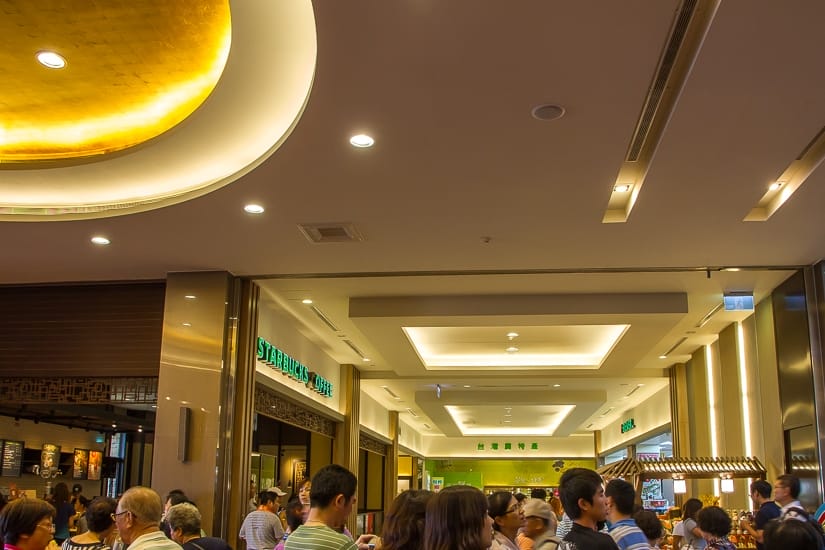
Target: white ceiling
474,215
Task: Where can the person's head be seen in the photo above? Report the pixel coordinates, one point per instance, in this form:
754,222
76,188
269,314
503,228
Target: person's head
294,513
138,512
786,488
540,494
175,496
268,500
184,521
99,515
538,518
279,494
690,508
520,498
404,522
506,513
582,495
650,525
457,519
27,523
713,520
799,535
333,490
60,493
760,491
555,504
621,497
80,504
304,491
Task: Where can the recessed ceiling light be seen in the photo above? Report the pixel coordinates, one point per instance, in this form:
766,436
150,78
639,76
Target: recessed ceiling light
366,359
556,385
663,357
51,60
775,186
622,188
547,112
99,239
511,349
254,209
361,141
508,414
508,421
187,324
512,335
190,296
467,386
306,301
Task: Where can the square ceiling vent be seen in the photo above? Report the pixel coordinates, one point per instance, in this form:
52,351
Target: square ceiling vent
330,232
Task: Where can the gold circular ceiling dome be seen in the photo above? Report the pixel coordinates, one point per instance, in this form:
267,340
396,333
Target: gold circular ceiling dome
133,70
158,102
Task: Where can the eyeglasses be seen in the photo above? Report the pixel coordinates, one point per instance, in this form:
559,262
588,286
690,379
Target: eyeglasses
115,515
50,527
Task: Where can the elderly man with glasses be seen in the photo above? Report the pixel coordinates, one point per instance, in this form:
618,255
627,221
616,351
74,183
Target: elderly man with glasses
138,520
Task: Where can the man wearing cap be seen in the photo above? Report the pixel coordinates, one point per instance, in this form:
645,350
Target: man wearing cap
262,529
540,524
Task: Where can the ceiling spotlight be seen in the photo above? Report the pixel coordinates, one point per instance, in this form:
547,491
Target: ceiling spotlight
556,385
306,301
51,60
366,359
100,240
548,112
511,349
663,357
467,386
508,421
254,209
187,324
511,335
622,188
190,296
140,429
775,186
361,141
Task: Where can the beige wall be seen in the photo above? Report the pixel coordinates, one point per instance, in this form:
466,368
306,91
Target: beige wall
649,416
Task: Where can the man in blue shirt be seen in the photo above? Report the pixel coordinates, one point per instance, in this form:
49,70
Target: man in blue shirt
620,500
766,510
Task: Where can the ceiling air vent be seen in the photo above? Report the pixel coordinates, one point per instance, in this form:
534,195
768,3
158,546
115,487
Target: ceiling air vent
322,316
330,232
389,391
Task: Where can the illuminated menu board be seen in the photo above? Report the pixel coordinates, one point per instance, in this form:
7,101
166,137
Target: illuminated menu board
12,458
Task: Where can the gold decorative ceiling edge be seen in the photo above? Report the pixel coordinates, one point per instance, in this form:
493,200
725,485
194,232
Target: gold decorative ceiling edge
256,106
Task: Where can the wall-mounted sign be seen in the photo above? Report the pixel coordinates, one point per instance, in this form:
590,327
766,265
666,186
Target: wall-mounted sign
507,446
95,464
80,469
628,425
12,458
293,368
49,458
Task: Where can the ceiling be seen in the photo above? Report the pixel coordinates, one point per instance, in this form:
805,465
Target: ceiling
471,216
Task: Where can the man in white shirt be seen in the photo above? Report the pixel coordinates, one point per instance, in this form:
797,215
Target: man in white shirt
786,492
137,518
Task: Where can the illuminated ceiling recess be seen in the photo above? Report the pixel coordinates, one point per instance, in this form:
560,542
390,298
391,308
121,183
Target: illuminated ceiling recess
127,82
168,73
540,347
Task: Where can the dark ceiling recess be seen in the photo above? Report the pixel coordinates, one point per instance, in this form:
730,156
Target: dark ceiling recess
101,418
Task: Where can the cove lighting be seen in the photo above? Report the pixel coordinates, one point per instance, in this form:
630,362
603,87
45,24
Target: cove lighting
51,60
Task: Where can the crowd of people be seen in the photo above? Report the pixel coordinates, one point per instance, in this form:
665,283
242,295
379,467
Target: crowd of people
587,515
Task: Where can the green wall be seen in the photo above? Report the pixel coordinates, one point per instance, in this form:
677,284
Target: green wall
504,473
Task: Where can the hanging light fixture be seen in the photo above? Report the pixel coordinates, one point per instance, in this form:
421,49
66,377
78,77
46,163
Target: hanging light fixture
727,483
679,484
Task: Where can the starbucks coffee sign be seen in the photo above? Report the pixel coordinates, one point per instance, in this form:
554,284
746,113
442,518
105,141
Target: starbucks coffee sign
291,367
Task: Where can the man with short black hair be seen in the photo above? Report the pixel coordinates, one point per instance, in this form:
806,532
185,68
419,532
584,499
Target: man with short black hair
582,495
331,501
621,497
538,493
767,510
262,529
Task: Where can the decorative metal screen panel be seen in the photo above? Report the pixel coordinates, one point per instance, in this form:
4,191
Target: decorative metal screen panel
80,390
269,404
369,443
